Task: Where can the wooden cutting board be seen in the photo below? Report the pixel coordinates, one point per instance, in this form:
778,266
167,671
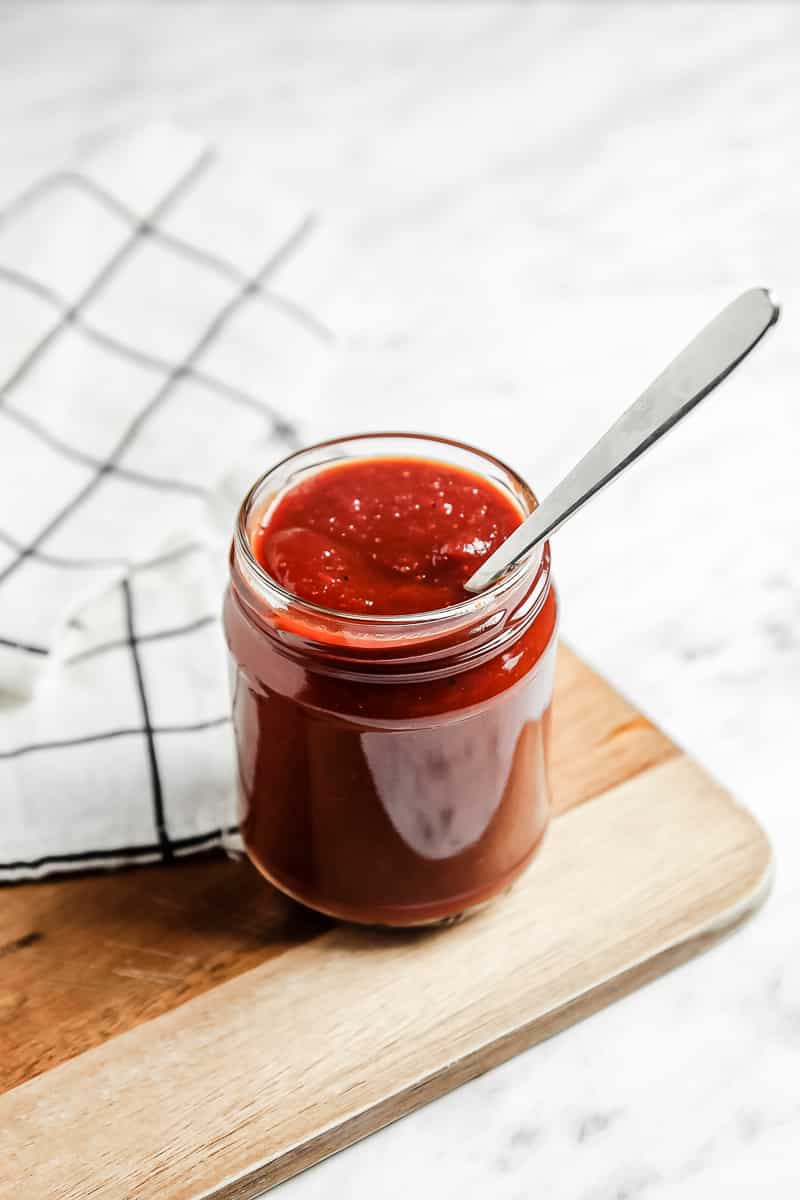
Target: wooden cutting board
183,1032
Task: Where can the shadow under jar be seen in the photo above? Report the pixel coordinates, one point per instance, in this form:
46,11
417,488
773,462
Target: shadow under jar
392,769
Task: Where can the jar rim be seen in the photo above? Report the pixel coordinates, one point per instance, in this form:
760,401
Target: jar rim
280,597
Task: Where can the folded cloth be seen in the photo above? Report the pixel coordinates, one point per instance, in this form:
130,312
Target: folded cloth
150,341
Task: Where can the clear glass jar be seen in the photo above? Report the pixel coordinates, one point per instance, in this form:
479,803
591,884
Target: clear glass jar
392,769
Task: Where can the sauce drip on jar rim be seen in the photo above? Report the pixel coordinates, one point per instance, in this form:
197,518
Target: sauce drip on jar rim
386,536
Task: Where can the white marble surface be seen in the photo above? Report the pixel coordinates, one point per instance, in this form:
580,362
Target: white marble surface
528,209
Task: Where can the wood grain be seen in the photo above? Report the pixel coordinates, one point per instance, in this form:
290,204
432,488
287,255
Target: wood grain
599,738
84,958
246,1084
255,1039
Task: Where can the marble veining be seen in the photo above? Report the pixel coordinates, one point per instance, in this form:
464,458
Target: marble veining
526,210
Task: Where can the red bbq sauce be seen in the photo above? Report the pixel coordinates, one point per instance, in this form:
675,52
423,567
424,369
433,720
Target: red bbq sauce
390,777
384,536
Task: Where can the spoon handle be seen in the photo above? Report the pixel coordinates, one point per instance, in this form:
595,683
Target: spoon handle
696,371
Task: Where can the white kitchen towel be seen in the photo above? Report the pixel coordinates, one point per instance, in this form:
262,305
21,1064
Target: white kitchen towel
152,335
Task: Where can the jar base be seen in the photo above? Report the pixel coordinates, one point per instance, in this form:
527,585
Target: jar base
410,916
458,918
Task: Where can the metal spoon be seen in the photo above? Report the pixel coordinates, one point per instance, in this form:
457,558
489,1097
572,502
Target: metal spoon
697,370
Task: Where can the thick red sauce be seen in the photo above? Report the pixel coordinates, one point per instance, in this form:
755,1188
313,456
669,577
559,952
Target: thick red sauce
390,782
384,535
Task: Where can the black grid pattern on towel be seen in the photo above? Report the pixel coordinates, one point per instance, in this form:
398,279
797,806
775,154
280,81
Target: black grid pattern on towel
71,315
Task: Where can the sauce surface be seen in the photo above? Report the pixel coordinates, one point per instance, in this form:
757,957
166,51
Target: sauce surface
384,536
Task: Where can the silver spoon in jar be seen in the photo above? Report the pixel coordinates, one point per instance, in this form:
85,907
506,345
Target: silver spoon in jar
697,370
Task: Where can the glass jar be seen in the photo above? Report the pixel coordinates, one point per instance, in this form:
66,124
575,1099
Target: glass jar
392,769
